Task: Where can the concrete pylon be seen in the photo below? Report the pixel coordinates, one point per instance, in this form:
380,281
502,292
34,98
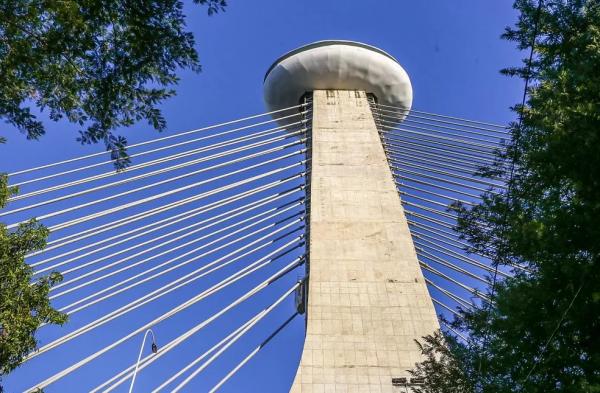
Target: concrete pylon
367,298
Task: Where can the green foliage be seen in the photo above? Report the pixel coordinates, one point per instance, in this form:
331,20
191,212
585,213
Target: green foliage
99,64
23,307
444,368
541,333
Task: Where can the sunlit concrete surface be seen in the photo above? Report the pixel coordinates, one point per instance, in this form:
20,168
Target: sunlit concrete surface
367,297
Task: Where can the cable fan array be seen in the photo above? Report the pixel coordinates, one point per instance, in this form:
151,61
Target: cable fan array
434,160
203,238
205,218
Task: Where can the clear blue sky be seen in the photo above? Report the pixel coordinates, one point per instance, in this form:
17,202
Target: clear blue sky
451,50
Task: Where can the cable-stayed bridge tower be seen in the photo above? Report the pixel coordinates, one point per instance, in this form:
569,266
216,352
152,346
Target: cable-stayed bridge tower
367,298
325,215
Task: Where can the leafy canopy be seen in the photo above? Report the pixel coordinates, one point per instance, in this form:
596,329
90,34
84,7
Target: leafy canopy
99,64
23,307
541,333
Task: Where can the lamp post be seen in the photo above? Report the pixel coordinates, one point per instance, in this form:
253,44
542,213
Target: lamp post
137,364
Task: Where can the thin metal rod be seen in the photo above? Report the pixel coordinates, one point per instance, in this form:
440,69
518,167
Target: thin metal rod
183,383
468,168
433,185
445,150
402,130
394,136
251,354
455,332
180,256
410,116
155,295
448,234
163,194
460,131
181,338
158,171
449,294
401,150
450,174
122,237
444,134
445,306
440,239
194,362
440,179
254,135
454,267
65,240
196,274
158,139
453,254
460,284
451,241
402,185
443,116
158,245
429,219
429,209
445,205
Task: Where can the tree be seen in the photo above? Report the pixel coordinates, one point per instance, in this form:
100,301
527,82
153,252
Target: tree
23,307
99,64
541,332
444,369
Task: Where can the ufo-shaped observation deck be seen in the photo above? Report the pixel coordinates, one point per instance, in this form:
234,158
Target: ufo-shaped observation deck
336,65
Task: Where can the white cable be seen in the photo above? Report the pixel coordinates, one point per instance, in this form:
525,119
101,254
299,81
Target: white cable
154,256
393,143
250,355
157,140
169,169
120,261
161,160
453,254
64,262
448,278
154,226
163,194
472,151
149,297
460,301
198,359
235,369
219,144
401,150
445,306
485,147
442,116
464,138
174,343
65,240
164,170
165,316
122,373
410,117
203,267
259,317
454,267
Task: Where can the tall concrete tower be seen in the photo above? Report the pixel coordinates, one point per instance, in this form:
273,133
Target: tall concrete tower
367,299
